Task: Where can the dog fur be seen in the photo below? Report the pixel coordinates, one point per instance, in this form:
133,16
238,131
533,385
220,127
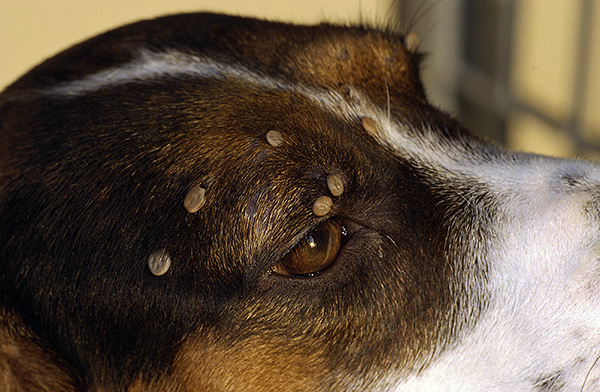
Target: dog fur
463,266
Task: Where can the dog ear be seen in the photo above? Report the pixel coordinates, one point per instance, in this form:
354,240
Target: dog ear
26,366
378,64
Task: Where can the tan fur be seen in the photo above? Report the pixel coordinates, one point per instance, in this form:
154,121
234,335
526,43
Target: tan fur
255,365
24,365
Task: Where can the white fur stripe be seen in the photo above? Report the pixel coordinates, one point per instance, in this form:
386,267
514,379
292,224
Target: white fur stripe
149,65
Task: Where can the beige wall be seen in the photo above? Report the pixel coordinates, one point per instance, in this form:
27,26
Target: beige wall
32,30
545,75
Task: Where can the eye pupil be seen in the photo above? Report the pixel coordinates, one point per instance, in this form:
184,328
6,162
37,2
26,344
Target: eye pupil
314,253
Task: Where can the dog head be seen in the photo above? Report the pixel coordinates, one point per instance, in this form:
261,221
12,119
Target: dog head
204,202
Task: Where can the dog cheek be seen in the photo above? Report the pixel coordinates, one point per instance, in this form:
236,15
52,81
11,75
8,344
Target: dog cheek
25,366
256,364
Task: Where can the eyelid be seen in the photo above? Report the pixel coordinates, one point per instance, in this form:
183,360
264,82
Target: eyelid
315,253
343,227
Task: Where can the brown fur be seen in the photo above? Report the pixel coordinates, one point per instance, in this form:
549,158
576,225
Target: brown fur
256,365
25,366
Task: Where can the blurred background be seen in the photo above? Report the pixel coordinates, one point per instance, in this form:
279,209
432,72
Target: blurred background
525,73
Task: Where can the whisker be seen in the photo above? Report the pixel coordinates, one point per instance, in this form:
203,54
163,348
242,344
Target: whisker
387,92
588,373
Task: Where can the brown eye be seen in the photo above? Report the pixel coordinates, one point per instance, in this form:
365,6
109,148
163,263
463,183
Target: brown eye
314,253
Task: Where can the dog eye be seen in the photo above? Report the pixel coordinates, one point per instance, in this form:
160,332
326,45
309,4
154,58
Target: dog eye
314,253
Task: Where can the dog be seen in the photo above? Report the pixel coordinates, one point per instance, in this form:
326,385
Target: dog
203,202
